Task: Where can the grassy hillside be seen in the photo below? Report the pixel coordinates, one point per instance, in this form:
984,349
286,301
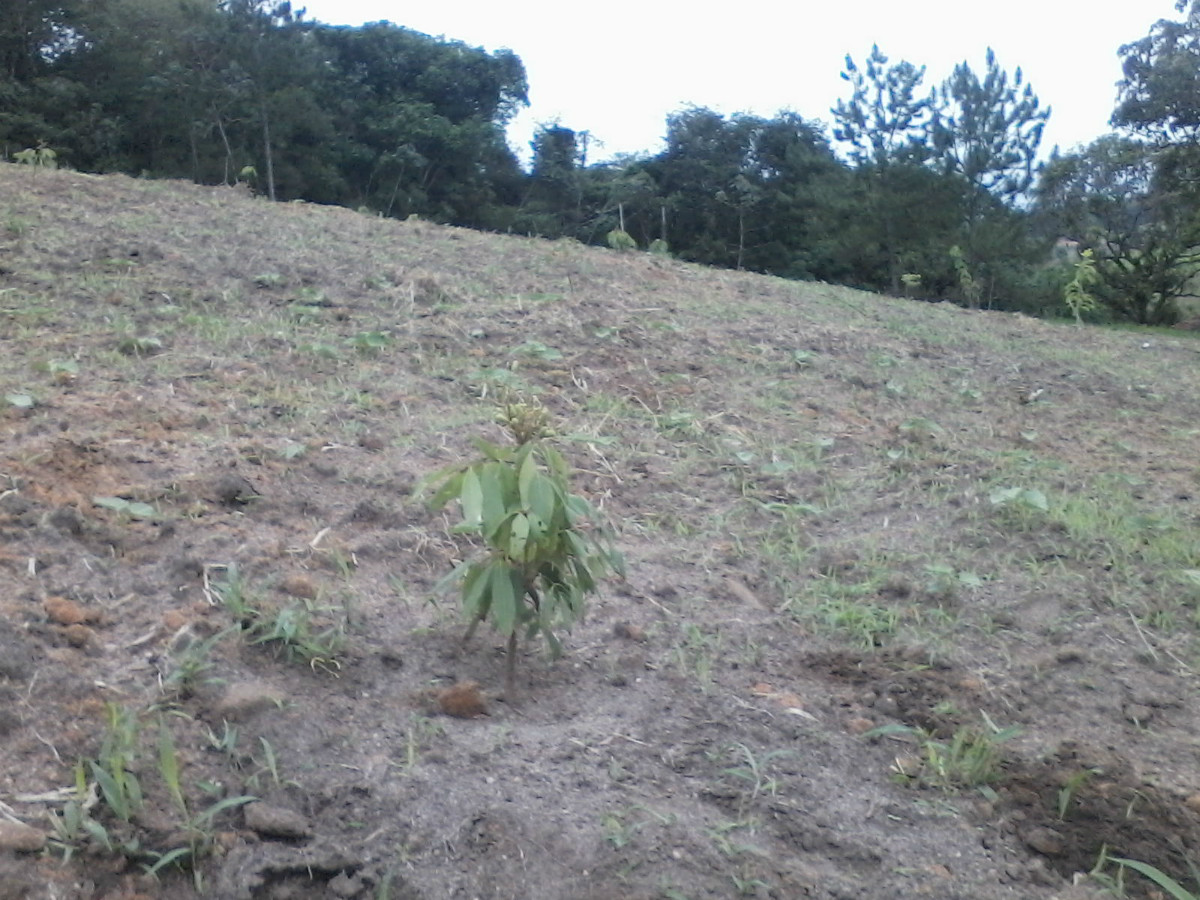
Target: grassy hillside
911,607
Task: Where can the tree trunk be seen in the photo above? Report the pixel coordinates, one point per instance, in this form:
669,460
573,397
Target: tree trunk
225,141
266,123
741,238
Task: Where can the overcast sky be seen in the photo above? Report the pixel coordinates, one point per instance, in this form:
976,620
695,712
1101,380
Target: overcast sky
617,70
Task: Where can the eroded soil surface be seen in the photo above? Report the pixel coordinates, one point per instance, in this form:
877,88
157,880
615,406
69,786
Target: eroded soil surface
840,513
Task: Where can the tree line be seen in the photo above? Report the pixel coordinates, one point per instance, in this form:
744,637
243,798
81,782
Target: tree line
929,191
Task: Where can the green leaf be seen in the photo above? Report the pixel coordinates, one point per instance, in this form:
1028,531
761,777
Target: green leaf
141,510
492,451
20,401
1035,498
206,817
471,498
168,767
518,537
1001,496
450,481
579,508
99,832
475,591
114,503
541,499
167,858
452,576
503,598
527,477
494,509
556,464
114,796
1164,881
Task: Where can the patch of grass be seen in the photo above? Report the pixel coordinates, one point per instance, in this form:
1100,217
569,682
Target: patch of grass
695,652
621,827
970,757
420,732
753,771
102,817
190,665
299,630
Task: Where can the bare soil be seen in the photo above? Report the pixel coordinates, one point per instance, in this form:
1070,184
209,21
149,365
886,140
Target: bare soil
809,488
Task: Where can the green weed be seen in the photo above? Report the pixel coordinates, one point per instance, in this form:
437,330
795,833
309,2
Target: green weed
753,771
298,630
970,758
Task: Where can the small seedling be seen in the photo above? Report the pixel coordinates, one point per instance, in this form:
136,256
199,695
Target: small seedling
538,350
695,652
546,548
1066,794
190,668
198,827
1018,497
268,765
370,343
139,346
1018,507
620,828
130,508
753,771
63,371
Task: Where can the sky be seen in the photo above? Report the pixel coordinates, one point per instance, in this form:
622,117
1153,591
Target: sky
618,70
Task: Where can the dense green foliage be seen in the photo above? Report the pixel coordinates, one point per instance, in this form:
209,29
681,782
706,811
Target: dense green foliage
376,116
913,188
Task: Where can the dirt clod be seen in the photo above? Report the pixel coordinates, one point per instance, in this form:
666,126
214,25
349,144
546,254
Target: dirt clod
243,700
629,632
299,586
272,821
79,636
21,838
1045,841
464,700
62,611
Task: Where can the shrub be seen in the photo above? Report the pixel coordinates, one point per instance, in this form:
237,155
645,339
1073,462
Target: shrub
545,547
621,240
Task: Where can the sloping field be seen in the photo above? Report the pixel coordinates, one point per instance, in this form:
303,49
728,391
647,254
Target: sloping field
911,605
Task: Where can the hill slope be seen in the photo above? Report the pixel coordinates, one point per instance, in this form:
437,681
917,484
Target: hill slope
840,512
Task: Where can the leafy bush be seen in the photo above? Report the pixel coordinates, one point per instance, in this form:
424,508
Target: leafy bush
40,157
621,240
546,547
